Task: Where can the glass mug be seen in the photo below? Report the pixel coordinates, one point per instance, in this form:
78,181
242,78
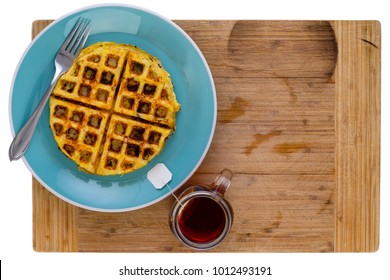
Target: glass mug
201,218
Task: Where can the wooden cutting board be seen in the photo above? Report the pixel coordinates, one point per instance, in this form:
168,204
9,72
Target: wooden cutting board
299,125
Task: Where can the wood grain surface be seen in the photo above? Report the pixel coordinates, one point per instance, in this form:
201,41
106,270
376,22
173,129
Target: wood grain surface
299,125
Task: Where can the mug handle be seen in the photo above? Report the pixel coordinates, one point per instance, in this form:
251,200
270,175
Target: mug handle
222,181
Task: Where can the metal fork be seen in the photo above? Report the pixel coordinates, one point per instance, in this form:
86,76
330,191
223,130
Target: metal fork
69,50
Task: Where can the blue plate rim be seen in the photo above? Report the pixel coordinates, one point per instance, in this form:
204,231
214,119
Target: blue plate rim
183,33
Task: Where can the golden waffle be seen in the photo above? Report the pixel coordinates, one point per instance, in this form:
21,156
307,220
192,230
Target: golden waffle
94,76
113,110
146,91
78,131
130,145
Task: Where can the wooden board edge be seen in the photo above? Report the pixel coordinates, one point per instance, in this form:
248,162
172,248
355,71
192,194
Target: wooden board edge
357,129
38,26
57,220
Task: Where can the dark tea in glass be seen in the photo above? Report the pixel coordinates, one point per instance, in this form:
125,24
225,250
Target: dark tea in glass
202,218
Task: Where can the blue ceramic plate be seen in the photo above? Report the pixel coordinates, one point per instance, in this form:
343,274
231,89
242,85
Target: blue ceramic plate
183,152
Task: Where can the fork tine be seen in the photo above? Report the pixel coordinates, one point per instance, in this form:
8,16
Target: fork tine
84,37
81,40
77,37
71,34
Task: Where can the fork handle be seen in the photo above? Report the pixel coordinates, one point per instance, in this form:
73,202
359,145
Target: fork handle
22,140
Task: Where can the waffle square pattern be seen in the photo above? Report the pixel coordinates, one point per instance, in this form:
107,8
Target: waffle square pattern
113,111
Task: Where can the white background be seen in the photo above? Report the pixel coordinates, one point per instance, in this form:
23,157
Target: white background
19,261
